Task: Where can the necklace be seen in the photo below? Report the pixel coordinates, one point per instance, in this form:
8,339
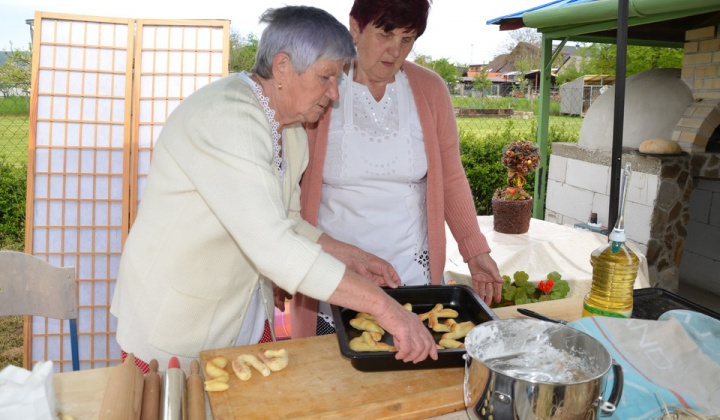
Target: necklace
270,115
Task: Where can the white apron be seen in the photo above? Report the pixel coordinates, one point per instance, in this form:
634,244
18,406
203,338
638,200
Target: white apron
374,179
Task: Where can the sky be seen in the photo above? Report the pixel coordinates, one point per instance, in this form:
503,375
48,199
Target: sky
457,29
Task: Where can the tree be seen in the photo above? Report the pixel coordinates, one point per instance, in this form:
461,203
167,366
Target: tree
601,58
524,45
242,52
443,67
15,73
522,66
598,58
446,70
567,74
481,82
528,35
424,60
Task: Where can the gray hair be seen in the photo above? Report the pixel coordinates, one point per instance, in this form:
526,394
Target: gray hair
306,34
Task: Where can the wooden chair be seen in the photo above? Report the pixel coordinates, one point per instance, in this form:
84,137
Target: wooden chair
31,286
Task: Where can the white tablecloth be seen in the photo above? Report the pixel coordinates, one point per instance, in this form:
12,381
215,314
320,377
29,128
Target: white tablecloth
546,247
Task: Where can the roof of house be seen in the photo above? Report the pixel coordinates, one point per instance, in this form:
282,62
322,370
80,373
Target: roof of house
503,63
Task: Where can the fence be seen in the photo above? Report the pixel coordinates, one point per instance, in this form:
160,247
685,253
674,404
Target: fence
481,118
14,124
478,115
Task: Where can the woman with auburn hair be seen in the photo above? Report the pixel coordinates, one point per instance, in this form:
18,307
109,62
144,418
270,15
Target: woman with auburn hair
385,171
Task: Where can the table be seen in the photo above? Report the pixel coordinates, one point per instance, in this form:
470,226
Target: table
546,247
80,393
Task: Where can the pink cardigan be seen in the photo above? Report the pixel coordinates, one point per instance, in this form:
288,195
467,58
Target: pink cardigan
448,193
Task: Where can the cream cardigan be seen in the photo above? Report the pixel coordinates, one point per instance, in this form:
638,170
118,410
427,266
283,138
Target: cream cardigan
449,198
213,219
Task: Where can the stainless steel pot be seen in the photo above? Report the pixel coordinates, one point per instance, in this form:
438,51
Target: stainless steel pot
528,369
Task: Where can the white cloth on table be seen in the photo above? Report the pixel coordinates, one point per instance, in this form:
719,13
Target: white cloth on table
545,248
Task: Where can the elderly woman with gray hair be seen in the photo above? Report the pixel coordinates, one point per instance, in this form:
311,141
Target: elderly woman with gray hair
220,216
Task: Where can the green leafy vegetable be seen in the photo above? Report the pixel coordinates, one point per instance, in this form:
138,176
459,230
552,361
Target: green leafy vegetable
519,290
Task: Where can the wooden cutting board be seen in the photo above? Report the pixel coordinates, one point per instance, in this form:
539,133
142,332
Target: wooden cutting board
320,383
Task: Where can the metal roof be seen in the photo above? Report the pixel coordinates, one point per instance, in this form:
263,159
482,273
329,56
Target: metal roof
518,15
650,22
598,79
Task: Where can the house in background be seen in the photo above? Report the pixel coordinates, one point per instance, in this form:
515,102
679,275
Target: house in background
504,76
502,84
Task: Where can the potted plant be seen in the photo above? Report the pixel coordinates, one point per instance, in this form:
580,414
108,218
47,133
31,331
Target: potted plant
512,205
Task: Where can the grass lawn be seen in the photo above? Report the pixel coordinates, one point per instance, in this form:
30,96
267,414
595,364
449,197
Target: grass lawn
562,128
11,341
495,102
14,137
14,130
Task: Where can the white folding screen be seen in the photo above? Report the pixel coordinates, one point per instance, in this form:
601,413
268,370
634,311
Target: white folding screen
175,60
94,119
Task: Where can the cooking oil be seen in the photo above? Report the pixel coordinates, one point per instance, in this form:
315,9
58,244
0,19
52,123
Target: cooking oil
614,272
615,267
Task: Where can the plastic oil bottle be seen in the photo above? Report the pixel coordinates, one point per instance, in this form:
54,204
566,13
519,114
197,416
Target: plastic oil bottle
615,267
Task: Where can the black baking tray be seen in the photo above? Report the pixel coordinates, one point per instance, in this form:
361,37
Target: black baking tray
422,298
651,302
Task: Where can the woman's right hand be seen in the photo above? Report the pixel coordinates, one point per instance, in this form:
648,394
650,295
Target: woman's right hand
412,339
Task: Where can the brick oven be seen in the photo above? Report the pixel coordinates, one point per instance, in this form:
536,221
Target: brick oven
673,204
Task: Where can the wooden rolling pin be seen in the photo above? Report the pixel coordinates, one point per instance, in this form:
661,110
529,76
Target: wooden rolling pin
151,393
196,393
123,392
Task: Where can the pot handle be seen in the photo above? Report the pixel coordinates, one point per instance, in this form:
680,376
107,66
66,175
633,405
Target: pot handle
609,406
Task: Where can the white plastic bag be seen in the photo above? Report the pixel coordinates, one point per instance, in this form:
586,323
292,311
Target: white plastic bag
27,395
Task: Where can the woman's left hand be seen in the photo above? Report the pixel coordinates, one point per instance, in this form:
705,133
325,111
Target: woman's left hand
280,296
376,269
364,263
486,278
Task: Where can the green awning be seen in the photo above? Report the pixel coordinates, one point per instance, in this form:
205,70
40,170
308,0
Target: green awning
577,21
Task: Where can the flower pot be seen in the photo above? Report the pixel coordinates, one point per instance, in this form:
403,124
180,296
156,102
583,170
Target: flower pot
511,216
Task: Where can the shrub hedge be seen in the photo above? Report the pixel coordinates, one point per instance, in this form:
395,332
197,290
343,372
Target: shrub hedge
480,157
13,187
481,154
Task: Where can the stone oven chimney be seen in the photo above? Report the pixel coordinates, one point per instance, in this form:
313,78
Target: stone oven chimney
701,71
